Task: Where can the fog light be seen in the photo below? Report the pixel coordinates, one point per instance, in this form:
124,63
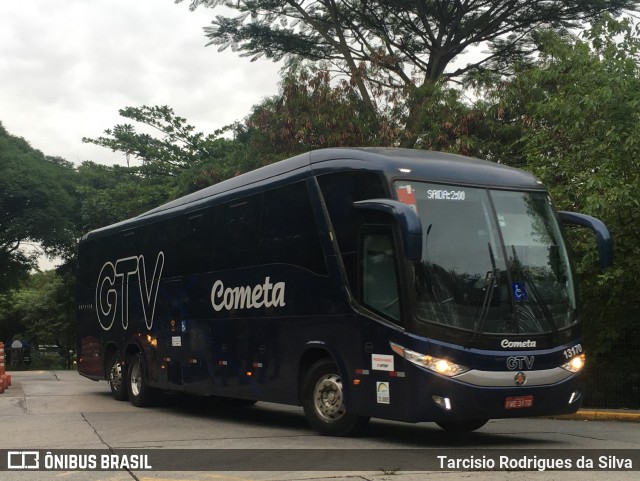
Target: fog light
575,396
443,402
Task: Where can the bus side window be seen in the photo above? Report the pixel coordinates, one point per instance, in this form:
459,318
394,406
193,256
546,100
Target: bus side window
289,233
162,236
88,266
237,233
195,243
379,275
340,190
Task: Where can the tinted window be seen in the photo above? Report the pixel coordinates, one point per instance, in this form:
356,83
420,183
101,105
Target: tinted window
196,243
379,278
289,233
237,233
161,236
340,190
275,227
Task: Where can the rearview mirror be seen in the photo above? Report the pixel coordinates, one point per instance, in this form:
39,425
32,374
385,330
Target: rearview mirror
603,237
407,220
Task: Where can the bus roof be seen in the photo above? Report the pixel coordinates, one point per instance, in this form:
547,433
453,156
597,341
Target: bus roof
426,165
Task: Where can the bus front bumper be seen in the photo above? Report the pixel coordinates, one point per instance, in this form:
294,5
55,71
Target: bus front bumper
443,398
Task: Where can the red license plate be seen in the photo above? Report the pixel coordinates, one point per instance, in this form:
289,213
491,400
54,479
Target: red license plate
518,402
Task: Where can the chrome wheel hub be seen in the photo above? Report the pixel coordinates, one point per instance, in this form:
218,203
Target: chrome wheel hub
136,380
115,376
328,398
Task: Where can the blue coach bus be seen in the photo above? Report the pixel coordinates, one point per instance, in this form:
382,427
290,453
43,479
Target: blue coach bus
390,283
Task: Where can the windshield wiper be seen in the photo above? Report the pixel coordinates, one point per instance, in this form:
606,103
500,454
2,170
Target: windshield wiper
488,294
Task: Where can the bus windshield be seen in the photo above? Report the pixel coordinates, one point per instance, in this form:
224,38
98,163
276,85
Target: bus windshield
493,261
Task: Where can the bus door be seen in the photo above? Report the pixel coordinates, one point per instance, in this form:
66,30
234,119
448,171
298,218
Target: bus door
382,380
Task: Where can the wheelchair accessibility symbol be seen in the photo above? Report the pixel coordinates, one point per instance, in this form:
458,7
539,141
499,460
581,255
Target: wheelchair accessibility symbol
519,292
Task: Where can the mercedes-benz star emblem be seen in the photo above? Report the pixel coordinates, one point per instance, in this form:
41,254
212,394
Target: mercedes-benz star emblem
520,378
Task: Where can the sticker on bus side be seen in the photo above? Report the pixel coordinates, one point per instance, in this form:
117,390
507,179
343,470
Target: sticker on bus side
382,362
407,195
382,393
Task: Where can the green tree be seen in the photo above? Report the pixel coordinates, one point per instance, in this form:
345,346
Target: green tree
46,309
36,206
9,323
41,310
312,112
309,113
110,194
395,45
192,159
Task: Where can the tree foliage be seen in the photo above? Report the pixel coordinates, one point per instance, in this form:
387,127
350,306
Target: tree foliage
41,310
179,154
110,194
309,113
36,206
576,114
383,45
312,112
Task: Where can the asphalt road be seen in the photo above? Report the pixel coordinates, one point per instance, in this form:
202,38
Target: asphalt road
60,410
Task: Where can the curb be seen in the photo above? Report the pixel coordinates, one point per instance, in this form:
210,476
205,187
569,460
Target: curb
630,416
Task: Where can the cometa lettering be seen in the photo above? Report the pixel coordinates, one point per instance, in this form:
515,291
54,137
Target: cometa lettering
247,297
507,343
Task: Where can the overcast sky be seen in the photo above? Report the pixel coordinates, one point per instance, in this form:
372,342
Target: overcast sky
67,66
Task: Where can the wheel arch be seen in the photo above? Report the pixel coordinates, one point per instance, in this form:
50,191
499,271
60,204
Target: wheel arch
132,349
312,354
137,346
109,349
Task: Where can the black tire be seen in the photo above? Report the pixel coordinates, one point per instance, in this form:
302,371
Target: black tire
323,402
117,377
140,394
465,426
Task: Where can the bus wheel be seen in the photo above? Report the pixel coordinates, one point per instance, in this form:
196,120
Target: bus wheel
462,426
323,402
116,377
140,394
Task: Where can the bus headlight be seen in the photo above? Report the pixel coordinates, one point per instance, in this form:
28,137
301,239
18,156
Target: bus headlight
435,364
575,364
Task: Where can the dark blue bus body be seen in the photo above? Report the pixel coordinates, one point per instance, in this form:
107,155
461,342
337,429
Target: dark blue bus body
278,286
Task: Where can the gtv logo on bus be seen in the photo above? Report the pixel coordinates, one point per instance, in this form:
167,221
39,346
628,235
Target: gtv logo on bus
113,276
